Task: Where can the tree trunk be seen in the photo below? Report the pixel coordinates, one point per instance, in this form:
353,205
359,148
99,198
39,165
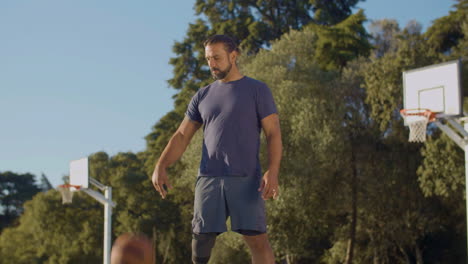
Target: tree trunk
419,255
405,254
352,235
155,249
289,259
376,257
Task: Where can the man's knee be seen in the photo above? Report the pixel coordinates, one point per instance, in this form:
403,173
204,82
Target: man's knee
201,247
257,242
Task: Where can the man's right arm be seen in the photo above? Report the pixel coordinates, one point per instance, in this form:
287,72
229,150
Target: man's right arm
173,151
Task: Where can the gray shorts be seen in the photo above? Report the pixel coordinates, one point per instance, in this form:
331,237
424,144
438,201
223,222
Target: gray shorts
217,198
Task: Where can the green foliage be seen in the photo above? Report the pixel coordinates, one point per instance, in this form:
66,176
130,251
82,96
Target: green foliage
52,233
446,32
332,12
73,233
138,207
344,42
384,36
229,248
383,78
311,135
442,172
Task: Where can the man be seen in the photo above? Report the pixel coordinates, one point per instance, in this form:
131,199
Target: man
233,110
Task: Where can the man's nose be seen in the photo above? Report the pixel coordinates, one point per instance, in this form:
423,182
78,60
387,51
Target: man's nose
212,63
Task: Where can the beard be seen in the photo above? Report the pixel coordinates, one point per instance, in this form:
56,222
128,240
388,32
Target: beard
220,74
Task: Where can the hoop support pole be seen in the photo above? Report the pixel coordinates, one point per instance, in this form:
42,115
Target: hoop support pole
451,134
466,183
107,224
99,185
99,197
458,127
106,200
462,143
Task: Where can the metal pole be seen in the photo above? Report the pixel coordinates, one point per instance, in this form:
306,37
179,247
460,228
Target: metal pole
466,192
466,185
462,142
107,224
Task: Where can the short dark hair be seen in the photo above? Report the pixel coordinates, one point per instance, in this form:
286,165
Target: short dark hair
230,43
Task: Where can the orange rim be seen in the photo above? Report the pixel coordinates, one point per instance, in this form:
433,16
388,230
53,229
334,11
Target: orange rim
70,185
419,112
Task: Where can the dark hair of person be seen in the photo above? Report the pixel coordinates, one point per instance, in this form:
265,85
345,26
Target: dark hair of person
230,44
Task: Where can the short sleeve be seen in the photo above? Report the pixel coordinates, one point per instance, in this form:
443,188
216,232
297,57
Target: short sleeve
265,102
192,110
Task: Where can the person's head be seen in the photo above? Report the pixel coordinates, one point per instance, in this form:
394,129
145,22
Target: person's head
130,248
221,52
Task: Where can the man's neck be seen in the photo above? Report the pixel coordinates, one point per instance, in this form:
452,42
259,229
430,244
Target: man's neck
234,75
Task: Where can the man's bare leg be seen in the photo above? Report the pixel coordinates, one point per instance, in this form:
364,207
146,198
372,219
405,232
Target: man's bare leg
260,249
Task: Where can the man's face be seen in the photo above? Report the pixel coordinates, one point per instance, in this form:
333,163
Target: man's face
219,60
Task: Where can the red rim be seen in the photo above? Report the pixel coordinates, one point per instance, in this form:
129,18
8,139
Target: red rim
70,185
419,112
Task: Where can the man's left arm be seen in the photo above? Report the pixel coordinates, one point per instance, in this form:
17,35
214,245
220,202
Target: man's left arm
269,184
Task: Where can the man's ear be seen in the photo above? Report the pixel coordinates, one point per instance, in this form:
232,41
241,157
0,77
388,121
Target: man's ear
233,56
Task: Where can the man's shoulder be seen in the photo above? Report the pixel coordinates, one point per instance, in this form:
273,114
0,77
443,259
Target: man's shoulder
253,81
205,87
203,90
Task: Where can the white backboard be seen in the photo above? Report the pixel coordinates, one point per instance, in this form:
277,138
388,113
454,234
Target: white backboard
79,172
436,87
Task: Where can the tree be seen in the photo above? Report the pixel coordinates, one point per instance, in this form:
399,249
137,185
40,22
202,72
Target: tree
387,234
384,36
446,32
15,190
45,184
312,145
73,233
342,43
255,23
443,177
138,207
49,232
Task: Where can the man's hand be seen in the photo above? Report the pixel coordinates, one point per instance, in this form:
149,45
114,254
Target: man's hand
160,181
269,186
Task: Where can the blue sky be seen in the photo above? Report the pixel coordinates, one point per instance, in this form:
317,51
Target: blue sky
77,77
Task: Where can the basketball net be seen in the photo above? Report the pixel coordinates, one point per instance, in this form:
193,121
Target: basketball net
417,120
67,191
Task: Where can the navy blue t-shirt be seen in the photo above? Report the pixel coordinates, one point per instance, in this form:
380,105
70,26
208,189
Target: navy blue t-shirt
231,115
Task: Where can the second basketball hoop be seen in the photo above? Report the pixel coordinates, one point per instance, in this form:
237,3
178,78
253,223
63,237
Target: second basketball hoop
67,191
417,120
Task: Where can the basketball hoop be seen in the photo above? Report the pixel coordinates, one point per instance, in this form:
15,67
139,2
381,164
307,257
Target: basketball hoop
67,191
417,120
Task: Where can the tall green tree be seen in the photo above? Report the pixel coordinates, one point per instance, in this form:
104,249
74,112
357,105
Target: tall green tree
310,136
255,23
339,44
398,163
